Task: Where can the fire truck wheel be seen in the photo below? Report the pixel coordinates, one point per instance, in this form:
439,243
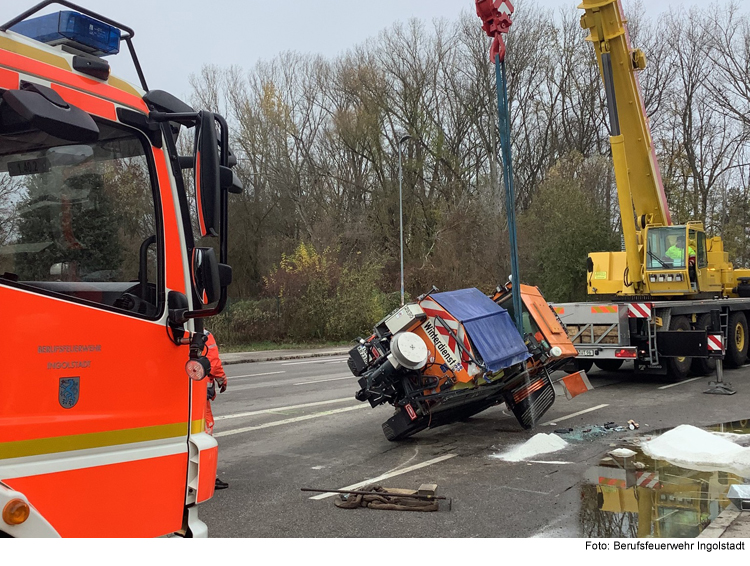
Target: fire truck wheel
703,366
678,368
609,365
737,340
578,364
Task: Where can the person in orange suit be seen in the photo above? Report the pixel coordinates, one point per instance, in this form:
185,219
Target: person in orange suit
215,377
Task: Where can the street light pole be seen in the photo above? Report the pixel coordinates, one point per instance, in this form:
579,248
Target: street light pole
403,138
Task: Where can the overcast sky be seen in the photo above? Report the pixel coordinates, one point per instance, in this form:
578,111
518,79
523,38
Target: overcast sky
174,38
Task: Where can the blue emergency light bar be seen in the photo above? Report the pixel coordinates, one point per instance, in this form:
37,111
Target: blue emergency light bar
74,30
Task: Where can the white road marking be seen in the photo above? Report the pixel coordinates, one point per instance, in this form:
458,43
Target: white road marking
551,462
289,421
680,383
322,361
356,486
255,375
281,409
350,376
526,490
565,418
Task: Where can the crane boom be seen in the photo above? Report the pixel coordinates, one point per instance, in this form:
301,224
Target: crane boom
606,23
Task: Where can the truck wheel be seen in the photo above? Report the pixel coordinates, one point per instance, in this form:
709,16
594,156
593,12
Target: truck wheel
737,340
400,426
678,368
578,364
609,365
703,366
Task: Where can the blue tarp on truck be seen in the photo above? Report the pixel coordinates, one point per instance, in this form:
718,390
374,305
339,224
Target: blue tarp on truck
488,325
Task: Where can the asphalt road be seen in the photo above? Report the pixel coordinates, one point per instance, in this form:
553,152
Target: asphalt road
286,425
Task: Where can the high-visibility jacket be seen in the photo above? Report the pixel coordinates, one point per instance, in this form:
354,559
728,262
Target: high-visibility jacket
678,254
216,375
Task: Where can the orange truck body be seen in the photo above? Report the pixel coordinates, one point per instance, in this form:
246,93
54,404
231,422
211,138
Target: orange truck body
130,458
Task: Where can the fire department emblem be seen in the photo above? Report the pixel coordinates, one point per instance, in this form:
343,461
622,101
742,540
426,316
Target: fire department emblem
69,391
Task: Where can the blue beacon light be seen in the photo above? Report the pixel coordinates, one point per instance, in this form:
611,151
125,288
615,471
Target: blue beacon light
74,30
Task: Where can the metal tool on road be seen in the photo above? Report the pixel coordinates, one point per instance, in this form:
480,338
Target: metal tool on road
377,497
425,497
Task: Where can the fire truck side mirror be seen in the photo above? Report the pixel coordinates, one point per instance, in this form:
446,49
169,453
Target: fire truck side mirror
209,276
205,273
207,175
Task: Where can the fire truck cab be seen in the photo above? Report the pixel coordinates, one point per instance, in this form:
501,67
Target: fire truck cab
102,288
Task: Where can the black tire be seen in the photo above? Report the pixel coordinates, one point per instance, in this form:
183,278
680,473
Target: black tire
703,366
578,364
609,365
679,368
395,430
737,340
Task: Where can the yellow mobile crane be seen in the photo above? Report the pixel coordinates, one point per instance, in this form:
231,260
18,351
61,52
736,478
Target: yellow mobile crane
669,278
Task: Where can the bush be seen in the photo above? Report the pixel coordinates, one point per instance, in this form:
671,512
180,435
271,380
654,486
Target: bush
247,321
322,298
562,226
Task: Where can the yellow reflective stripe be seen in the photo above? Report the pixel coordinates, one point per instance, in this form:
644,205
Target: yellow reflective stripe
123,86
198,426
34,53
36,447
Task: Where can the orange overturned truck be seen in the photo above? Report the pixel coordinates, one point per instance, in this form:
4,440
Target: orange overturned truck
451,355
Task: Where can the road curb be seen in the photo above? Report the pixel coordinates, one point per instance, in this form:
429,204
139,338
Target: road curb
719,525
254,357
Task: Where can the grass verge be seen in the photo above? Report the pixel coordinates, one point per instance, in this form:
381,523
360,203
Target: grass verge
265,346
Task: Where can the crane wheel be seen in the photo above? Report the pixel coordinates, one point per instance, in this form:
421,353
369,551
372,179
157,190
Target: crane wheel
678,368
703,366
737,340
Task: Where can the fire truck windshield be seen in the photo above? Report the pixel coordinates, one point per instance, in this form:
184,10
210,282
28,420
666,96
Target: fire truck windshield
80,220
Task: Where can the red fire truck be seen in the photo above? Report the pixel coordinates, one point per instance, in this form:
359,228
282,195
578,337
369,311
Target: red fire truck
102,287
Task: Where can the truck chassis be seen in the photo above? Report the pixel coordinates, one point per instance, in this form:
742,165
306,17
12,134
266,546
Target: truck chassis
658,335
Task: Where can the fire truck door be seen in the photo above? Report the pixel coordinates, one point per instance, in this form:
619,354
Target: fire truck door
94,399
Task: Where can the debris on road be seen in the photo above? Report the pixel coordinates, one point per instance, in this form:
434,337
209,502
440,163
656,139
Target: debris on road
592,432
539,444
622,453
389,499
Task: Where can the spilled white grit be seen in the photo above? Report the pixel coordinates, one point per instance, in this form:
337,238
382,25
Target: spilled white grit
539,444
623,453
696,449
